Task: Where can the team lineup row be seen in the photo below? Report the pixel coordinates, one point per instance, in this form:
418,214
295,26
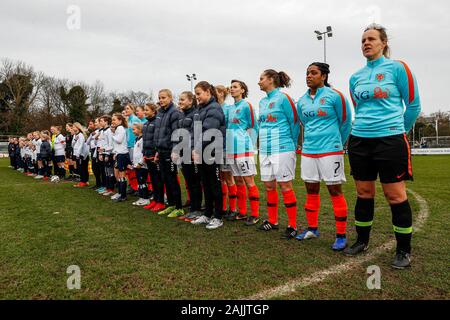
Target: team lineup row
143,143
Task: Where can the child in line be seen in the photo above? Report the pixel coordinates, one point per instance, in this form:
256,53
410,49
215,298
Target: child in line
121,155
140,167
149,151
81,152
105,147
46,155
59,148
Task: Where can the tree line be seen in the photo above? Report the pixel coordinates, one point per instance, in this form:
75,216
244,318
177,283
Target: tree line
31,100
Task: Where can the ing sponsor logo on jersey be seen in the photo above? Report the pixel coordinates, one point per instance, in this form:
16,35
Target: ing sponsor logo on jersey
236,121
378,93
321,113
271,118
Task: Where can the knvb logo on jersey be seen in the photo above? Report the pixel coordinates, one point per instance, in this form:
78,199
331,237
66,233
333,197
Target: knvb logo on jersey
380,77
378,93
322,101
235,120
238,111
321,113
271,105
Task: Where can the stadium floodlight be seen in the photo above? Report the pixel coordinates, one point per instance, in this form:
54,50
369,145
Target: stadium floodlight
323,36
191,79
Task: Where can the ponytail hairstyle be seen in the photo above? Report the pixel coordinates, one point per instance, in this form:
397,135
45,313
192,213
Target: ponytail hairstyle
122,119
206,86
324,70
243,86
280,79
223,91
191,97
383,36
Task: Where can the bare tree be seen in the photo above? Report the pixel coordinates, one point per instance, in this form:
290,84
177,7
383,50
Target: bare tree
98,99
20,86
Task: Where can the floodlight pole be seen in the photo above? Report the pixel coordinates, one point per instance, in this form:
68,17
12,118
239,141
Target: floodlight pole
191,79
323,36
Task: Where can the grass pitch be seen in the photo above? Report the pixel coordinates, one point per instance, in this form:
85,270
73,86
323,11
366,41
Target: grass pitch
129,253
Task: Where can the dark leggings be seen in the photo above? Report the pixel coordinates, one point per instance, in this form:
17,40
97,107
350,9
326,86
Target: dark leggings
46,169
212,188
141,175
169,177
96,170
192,177
109,172
82,165
155,178
102,173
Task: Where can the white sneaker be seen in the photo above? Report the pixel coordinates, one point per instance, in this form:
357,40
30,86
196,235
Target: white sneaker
116,196
142,202
201,220
38,176
106,193
214,224
136,202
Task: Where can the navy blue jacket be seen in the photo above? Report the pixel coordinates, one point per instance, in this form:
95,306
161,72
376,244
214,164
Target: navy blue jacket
148,138
186,121
11,149
166,122
212,117
46,150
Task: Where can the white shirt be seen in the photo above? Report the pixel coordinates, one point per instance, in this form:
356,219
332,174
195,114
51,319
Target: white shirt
60,145
138,156
80,148
37,145
119,138
91,141
107,136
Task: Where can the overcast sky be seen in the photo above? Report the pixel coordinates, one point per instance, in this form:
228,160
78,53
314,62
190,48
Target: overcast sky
149,45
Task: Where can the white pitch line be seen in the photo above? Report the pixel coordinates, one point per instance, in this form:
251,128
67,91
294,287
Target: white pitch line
319,276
